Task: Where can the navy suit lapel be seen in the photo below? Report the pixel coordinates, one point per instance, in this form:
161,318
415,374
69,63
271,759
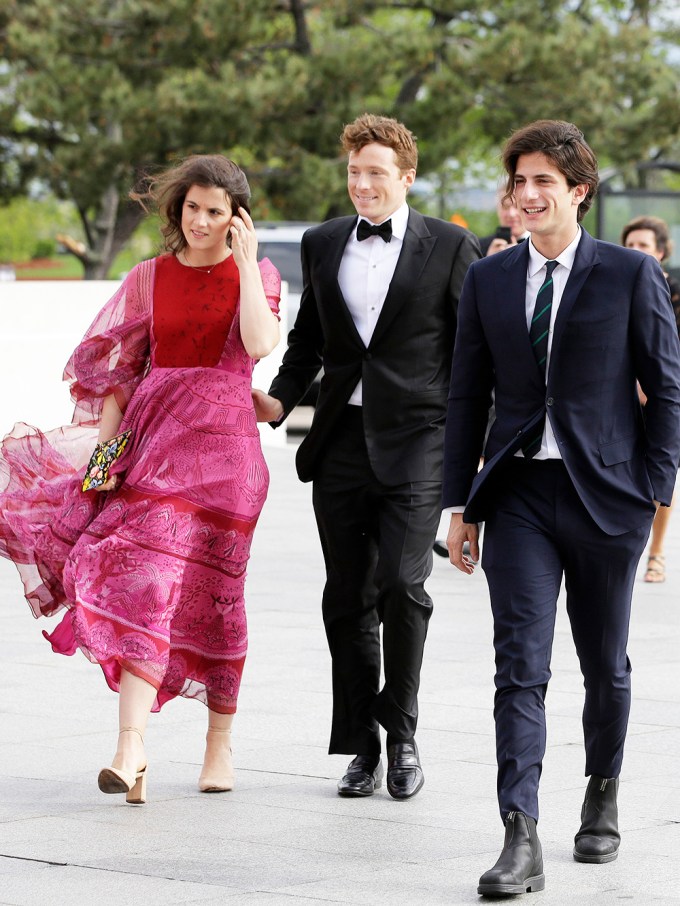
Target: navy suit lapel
416,250
511,292
586,258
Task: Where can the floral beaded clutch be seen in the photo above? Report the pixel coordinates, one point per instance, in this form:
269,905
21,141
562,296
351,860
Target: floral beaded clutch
105,454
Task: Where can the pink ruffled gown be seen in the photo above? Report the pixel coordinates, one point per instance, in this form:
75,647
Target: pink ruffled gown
152,575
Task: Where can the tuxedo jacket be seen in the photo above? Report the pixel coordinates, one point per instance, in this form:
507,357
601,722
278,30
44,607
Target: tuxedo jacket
614,325
405,368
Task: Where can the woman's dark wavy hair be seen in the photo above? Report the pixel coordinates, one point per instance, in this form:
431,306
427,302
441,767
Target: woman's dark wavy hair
167,191
658,226
565,147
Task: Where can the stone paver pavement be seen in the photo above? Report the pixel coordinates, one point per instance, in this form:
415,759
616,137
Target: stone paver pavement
283,836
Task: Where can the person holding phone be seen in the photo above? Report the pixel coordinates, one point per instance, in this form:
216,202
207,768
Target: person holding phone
502,238
510,229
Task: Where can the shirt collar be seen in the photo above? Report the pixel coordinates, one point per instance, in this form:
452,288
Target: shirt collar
399,220
565,258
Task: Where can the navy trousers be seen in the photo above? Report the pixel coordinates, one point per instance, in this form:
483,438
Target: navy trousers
539,533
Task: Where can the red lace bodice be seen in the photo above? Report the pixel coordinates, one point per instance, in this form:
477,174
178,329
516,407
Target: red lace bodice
192,312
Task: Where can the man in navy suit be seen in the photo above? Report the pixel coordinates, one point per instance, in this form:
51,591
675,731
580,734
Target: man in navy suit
558,330
378,312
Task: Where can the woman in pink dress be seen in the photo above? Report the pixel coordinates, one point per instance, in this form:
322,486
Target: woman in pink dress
151,565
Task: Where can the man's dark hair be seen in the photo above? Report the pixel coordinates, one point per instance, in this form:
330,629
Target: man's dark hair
565,147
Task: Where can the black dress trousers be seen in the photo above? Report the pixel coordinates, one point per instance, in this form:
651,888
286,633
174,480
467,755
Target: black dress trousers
377,545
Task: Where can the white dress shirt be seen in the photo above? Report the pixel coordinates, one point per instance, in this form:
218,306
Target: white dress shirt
365,274
535,278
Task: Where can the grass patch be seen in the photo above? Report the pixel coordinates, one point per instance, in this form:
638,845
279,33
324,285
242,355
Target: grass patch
61,267
67,267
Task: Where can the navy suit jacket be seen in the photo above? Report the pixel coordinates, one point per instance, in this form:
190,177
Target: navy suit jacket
405,368
615,325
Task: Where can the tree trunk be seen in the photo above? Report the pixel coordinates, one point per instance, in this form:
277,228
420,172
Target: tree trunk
115,224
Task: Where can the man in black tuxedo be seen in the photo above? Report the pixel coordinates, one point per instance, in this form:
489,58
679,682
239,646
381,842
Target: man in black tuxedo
559,328
378,312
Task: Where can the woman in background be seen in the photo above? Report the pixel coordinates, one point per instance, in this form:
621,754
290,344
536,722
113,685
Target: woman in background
650,235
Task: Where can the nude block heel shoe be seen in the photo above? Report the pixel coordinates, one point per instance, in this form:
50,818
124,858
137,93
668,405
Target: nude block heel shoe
116,780
217,779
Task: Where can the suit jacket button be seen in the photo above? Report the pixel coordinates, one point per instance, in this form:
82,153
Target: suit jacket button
518,433
549,401
368,357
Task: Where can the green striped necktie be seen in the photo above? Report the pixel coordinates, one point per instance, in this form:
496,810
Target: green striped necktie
539,331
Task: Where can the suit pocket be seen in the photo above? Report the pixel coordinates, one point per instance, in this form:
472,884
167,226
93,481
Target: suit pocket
618,451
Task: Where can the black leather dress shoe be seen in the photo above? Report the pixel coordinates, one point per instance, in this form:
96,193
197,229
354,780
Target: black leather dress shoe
404,773
363,777
598,838
519,868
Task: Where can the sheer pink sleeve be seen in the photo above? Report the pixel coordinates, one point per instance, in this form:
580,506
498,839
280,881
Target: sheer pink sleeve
271,280
113,356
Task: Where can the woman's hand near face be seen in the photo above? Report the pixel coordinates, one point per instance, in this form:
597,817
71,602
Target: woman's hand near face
259,325
243,239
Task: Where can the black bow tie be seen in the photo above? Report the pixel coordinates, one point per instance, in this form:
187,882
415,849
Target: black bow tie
366,229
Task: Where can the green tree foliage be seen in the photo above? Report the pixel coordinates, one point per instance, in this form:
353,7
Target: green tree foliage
95,93
26,227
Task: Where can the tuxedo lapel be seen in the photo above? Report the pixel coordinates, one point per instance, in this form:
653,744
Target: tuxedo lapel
416,250
330,252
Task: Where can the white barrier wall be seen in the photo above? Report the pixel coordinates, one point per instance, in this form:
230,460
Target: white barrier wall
41,322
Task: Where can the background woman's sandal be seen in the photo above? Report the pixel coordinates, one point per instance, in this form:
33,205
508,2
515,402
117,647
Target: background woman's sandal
656,568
